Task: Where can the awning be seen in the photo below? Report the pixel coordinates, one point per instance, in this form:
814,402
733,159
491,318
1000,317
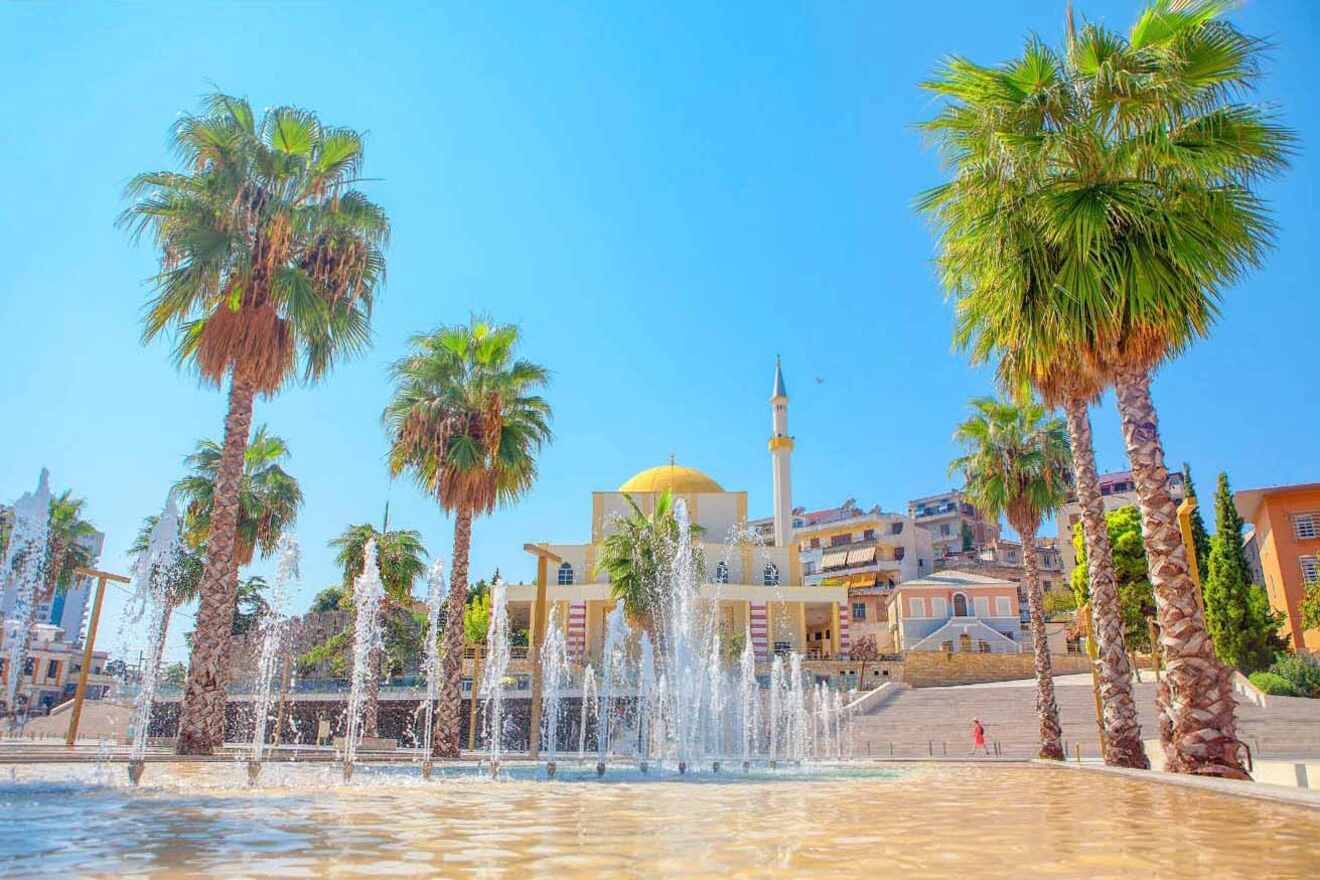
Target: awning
834,560
861,557
862,580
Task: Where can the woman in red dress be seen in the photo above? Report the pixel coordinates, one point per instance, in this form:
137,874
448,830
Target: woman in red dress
978,737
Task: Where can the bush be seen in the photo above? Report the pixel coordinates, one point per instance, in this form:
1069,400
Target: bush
1302,671
1274,685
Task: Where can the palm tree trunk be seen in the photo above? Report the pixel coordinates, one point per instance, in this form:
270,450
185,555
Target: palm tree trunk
1122,728
449,706
202,717
1051,734
1202,725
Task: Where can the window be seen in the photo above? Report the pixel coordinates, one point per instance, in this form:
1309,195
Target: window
770,575
959,605
944,529
896,528
898,554
1310,568
939,607
815,543
783,649
982,606
859,611
565,574
1306,525
809,568
1003,606
868,535
917,607
838,540
722,572
52,668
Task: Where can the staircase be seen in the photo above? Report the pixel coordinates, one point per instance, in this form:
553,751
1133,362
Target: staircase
921,722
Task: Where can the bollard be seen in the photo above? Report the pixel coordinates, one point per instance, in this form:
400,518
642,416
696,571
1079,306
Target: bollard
550,769
930,747
494,769
682,767
135,769
891,750
348,772
427,767
868,748
946,748
645,767
600,768
715,767
747,766
1078,747
253,770
774,765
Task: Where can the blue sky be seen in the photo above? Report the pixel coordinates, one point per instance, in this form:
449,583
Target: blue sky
664,196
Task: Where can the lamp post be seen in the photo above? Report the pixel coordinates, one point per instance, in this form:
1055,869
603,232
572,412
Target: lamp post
75,717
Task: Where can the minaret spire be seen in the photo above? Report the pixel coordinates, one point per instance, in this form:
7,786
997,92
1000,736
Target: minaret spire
781,451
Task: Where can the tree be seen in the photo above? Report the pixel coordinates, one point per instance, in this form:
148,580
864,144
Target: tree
466,422
269,499
1015,462
1200,537
1136,597
67,543
1108,194
1310,607
174,675
269,265
968,538
329,599
401,559
1237,611
864,651
186,581
638,558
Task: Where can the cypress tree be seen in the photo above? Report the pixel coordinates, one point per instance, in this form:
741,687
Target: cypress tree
1200,537
1237,612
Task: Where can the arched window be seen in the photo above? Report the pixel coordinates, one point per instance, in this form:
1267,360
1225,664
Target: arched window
565,574
721,572
959,605
770,575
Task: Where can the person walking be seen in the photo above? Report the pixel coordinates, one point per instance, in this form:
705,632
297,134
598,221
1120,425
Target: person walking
978,737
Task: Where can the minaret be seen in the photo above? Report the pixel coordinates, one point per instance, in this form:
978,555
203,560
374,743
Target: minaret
781,450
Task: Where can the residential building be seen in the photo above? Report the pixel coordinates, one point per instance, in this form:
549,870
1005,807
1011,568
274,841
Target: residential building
1002,558
1117,489
956,611
954,523
1285,524
50,673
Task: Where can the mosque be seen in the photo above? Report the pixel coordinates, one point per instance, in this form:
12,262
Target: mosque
759,587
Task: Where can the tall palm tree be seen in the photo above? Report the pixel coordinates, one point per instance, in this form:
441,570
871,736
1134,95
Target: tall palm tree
269,265
466,422
1015,464
402,560
1115,183
268,497
638,556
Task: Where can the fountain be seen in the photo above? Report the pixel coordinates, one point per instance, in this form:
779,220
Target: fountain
435,600
555,679
272,636
590,702
368,591
497,667
25,567
614,677
153,581
749,698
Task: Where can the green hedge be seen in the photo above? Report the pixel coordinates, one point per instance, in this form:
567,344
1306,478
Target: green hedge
1302,671
1275,685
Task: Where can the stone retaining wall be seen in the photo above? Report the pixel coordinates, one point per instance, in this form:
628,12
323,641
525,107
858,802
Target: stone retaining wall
935,668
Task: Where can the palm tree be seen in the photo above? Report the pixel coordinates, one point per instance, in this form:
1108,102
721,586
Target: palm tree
269,264
268,497
1016,463
185,585
67,544
466,422
1113,184
402,560
638,557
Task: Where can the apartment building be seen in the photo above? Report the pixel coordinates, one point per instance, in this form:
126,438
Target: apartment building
954,523
1116,490
50,672
1285,523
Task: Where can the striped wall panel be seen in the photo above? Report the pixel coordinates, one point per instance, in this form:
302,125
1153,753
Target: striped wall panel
577,630
845,618
760,625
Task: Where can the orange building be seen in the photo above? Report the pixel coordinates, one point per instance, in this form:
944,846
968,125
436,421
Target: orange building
1287,536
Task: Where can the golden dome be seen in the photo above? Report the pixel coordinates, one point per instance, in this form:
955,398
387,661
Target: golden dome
673,477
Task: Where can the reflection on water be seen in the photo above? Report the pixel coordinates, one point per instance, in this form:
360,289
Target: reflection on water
973,821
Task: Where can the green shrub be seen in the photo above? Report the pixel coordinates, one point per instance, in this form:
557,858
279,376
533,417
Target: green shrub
1275,685
1302,671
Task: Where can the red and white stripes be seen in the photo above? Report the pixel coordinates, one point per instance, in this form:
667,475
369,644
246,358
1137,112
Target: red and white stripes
577,630
845,618
760,625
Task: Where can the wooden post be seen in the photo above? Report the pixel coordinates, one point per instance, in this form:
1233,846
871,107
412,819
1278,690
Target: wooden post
540,620
1185,526
1093,651
75,717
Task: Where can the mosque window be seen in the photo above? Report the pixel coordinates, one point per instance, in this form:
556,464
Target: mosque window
722,572
565,574
770,575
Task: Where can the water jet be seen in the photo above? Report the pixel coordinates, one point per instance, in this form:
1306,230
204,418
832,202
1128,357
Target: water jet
135,768
253,771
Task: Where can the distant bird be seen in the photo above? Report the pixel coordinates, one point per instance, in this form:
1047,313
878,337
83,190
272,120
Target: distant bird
820,380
